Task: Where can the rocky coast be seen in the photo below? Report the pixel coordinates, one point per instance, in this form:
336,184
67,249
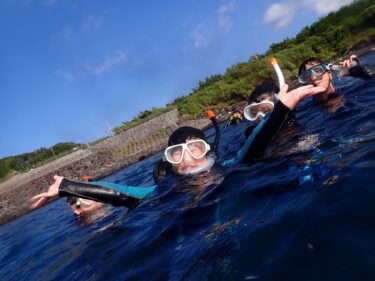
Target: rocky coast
97,161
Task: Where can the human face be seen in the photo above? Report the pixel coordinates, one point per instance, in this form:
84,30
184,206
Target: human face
187,156
314,72
82,206
316,79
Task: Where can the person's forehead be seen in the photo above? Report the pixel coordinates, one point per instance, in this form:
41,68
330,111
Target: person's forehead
190,139
262,98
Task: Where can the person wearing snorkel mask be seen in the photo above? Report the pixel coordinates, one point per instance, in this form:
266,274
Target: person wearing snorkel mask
81,206
235,118
188,153
261,101
315,72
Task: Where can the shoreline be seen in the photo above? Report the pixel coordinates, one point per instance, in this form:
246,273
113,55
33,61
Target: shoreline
98,162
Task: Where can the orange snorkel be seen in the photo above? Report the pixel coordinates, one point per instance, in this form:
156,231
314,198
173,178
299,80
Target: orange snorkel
212,117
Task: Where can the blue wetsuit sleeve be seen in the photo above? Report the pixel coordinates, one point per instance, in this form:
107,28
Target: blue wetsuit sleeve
134,191
262,135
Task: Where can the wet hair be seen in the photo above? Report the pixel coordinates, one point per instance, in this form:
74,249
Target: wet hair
161,170
182,134
262,91
71,200
311,60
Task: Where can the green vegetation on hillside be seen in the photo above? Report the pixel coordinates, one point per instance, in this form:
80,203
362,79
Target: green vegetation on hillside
27,161
143,116
329,38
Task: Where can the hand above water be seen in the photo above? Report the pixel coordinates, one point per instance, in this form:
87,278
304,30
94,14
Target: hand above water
53,191
293,98
348,62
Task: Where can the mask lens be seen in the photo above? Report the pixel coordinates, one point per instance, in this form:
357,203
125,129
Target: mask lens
304,77
197,149
254,110
176,153
261,107
85,201
318,70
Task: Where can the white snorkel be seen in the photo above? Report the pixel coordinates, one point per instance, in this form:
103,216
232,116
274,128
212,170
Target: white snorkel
280,75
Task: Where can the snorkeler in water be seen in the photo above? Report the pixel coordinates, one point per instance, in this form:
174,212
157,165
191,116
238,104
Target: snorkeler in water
81,206
261,102
188,153
313,71
263,98
235,118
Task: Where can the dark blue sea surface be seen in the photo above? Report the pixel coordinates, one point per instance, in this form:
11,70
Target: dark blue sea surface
305,212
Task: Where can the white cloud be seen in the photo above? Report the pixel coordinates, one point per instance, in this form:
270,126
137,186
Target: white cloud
201,37
282,13
105,65
65,34
224,22
225,8
66,74
322,7
92,22
90,69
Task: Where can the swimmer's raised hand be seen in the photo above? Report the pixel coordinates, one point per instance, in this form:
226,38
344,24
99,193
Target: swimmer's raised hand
53,191
293,98
348,62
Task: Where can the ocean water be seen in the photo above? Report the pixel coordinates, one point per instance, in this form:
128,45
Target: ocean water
305,212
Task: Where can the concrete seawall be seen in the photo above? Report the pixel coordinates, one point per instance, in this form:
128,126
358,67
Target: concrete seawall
97,161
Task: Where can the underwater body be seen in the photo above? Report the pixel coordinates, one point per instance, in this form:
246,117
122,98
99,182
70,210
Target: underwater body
304,212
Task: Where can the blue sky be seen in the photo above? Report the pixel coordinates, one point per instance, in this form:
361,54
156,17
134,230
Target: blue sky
70,69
